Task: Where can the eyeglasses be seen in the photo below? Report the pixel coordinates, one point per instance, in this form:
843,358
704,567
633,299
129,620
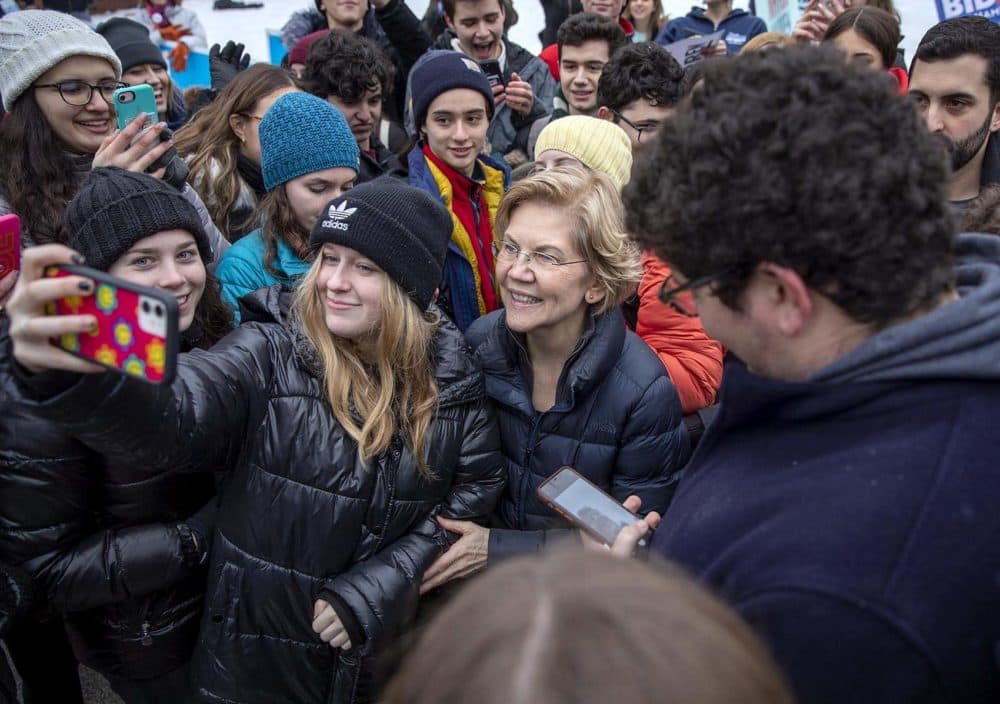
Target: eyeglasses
78,93
250,116
670,291
509,252
639,131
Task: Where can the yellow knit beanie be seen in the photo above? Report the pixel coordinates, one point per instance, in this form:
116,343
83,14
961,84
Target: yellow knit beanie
600,145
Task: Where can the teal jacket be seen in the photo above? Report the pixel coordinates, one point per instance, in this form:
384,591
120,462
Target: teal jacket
242,269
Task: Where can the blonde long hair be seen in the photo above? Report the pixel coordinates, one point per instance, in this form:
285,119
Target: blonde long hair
389,385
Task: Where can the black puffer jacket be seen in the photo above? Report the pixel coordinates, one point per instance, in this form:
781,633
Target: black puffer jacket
302,516
616,420
99,541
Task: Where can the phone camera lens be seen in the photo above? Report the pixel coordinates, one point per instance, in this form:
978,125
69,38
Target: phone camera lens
145,306
159,311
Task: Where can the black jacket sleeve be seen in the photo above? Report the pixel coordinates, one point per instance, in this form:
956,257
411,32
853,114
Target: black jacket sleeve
383,590
407,42
195,424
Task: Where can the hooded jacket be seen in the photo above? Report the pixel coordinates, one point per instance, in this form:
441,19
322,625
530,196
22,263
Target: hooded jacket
99,541
851,517
739,25
616,420
303,516
393,27
509,129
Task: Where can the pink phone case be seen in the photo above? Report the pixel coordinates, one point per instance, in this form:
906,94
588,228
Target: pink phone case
136,326
10,244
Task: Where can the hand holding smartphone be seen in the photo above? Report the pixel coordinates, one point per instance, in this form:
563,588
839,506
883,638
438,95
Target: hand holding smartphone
494,74
137,327
586,506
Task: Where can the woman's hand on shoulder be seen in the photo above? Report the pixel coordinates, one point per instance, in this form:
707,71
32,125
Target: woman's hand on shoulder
133,148
466,557
30,328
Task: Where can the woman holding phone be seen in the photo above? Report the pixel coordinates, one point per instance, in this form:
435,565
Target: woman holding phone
57,79
349,415
119,556
572,386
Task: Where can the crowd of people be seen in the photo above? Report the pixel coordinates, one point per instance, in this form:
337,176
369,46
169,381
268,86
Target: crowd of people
418,270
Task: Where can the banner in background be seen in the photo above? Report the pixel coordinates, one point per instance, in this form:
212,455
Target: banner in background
947,9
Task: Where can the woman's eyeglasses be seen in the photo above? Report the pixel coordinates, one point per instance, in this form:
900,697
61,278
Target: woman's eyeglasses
506,251
78,93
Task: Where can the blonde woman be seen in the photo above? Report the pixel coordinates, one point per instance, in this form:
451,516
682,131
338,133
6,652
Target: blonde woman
350,415
571,385
222,147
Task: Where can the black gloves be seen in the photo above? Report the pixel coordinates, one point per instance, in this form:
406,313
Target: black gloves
225,62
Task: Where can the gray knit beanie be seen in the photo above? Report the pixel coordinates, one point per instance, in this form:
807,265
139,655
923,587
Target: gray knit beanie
33,41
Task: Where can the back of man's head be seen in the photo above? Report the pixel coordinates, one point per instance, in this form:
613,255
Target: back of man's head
346,66
646,71
584,27
961,36
797,159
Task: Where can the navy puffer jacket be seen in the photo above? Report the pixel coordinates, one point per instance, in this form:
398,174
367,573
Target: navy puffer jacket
616,420
302,517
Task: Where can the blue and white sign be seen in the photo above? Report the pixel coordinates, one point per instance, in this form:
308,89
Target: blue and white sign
948,9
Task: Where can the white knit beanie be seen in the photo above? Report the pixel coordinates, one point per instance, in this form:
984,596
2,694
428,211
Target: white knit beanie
33,41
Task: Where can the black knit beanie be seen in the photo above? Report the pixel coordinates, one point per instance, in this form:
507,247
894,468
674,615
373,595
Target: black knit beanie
130,41
443,71
401,228
115,208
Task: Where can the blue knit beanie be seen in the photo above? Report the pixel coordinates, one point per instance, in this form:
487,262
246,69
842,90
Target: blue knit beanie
301,134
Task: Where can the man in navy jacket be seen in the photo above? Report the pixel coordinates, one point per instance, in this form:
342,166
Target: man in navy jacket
739,25
845,498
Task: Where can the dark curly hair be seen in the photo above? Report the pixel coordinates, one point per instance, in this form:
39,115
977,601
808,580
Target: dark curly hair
877,27
964,35
793,157
646,71
588,26
347,66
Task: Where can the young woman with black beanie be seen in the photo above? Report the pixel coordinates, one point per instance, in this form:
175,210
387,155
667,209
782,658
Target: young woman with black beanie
349,414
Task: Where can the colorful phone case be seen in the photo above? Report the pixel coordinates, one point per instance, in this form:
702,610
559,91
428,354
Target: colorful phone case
136,326
10,244
132,101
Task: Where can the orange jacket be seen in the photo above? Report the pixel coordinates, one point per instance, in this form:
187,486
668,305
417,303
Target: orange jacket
692,358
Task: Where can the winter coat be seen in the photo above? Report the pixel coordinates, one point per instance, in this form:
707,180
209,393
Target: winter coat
740,27
852,517
458,296
393,27
242,269
178,16
509,129
616,420
692,358
384,163
242,212
302,516
100,541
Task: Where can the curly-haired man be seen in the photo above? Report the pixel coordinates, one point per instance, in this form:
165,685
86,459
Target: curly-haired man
844,499
355,76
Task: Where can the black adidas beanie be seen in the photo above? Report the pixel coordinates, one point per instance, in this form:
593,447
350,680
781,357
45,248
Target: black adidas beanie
115,208
403,229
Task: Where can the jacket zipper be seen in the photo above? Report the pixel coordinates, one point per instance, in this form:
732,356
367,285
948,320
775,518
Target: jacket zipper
145,638
523,489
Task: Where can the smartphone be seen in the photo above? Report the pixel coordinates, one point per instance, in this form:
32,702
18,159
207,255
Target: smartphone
493,73
10,244
137,327
586,506
132,101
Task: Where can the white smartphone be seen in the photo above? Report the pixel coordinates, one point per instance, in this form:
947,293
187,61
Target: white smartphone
586,506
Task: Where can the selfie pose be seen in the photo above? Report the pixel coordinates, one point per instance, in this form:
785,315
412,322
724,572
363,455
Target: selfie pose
117,552
572,386
349,416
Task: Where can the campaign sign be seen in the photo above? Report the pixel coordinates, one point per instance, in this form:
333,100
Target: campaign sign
949,9
689,51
